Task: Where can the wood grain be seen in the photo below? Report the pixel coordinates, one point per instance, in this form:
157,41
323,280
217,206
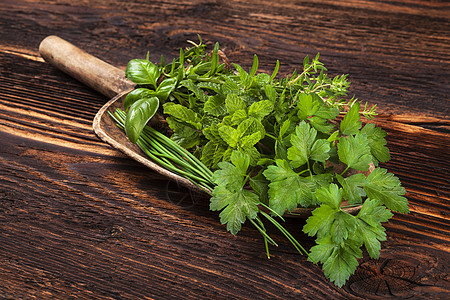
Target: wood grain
81,220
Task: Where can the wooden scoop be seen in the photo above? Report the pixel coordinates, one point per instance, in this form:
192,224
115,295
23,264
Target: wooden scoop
109,81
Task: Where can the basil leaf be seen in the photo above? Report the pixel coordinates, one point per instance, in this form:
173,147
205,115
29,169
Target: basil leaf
142,71
139,114
135,95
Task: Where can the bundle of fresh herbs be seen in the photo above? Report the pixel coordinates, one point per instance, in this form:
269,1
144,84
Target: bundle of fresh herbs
262,146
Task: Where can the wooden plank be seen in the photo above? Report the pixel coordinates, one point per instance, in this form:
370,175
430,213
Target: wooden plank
80,220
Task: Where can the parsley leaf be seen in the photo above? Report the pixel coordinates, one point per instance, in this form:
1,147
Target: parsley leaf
369,228
352,186
377,143
287,188
237,204
351,123
232,174
386,187
305,146
339,260
354,151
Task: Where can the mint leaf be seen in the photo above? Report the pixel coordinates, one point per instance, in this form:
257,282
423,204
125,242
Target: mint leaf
186,137
238,116
351,123
260,109
234,102
230,135
377,143
250,126
215,106
230,87
386,187
250,140
212,154
354,151
198,92
352,187
182,114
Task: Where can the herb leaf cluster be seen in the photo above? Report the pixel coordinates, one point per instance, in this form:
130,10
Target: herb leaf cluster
273,145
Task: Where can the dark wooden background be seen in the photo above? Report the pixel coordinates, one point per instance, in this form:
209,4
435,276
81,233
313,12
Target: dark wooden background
79,220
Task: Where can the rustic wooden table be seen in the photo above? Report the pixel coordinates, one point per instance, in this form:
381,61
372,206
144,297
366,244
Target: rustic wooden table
79,220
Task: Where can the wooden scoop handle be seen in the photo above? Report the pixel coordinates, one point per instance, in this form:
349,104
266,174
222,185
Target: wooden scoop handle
84,67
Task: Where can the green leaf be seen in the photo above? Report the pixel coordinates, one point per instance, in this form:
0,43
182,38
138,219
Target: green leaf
138,115
142,71
343,227
186,137
230,135
254,66
250,126
369,228
215,106
237,203
198,92
212,154
136,95
165,88
342,261
182,114
231,175
354,151
233,103
371,237
306,106
230,87
271,93
353,187
320,222
239,116
377,143
326,112
321,124
284,128
331,195
250,140
386,187
237,206
304,146
260,109
287,189
260,185
319,150
351,123
252,153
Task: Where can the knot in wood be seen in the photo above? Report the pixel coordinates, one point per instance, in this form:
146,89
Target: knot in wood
383,278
